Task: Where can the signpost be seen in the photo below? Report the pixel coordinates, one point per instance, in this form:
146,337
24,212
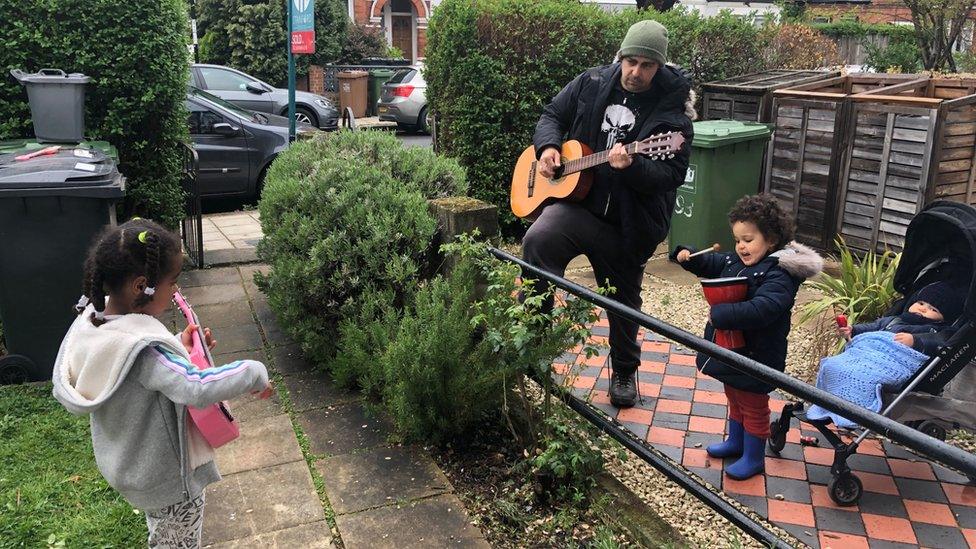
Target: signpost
301,40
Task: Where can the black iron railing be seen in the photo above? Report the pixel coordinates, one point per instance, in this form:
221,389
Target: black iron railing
192,224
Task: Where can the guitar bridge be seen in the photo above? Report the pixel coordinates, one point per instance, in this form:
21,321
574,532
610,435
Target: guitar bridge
532,178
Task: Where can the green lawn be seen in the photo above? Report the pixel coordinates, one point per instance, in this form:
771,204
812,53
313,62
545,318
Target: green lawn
51,493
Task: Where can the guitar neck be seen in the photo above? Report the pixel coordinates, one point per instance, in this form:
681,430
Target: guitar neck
593,160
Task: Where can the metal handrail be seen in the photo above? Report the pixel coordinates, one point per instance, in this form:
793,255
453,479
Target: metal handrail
192,223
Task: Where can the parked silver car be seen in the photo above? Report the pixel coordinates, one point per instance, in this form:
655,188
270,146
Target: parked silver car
248,92
404,100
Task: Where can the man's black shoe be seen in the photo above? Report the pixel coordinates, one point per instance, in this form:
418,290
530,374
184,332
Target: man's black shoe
623,390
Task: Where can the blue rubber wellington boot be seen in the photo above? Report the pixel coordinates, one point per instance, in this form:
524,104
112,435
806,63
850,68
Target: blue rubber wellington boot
753,460
732,446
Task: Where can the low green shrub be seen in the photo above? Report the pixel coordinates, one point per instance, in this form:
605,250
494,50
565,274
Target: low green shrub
899,55
363,341
360,42
569,457
441,378
863,291
336,229
417,167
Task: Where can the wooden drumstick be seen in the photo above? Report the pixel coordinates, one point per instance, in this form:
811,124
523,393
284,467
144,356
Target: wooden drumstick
714,248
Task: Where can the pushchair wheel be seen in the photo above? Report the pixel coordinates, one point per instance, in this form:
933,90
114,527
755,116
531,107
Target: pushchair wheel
845,489
777,437
932,429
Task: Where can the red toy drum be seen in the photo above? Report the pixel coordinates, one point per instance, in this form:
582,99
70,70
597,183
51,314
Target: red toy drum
726,290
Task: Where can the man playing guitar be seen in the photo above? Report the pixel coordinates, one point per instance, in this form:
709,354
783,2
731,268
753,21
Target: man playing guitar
627,211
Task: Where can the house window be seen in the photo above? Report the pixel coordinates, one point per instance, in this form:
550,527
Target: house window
401,6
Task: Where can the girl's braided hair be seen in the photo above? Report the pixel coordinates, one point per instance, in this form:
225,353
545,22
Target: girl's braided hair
763,210
136,248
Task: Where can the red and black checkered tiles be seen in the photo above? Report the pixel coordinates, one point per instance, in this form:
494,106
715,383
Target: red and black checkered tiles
908,501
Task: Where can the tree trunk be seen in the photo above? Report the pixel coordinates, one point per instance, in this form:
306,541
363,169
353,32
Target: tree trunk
937,27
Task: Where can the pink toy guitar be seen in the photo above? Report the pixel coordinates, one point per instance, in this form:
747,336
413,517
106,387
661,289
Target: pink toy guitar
214,422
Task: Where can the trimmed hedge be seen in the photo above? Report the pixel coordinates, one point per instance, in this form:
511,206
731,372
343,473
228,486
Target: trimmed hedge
493,64
862,30
900,54
136,54
345,216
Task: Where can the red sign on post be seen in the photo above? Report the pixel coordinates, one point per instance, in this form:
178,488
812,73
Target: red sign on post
303,26
303,42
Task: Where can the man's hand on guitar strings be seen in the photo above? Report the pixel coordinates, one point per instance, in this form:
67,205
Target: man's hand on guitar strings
549,162
618,158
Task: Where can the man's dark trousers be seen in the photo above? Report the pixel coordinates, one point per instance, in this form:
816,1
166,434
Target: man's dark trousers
565,230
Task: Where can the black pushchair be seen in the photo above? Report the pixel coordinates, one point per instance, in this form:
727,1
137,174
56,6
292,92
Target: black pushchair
940,245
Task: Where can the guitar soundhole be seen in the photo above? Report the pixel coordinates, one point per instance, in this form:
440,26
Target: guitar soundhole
558,176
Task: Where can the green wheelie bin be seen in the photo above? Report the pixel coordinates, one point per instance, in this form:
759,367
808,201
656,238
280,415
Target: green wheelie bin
377,77
726,164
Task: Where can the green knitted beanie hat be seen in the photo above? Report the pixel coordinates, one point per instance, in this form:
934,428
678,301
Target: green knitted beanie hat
647,39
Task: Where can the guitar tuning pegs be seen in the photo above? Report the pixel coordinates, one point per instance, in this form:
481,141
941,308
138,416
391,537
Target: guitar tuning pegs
670,156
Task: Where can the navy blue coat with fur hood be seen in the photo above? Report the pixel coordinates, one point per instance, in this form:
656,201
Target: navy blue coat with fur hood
765,315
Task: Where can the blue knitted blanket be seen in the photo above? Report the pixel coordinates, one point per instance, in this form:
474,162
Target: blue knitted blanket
871,362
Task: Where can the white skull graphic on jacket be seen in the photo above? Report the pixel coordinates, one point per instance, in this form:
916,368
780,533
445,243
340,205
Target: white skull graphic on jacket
618,120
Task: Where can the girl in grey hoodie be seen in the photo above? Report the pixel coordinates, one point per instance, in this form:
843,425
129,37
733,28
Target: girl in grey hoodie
120,365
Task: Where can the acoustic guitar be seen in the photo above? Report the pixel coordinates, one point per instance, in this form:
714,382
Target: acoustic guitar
531,190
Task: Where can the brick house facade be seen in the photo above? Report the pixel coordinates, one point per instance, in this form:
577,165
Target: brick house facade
404,22
881,12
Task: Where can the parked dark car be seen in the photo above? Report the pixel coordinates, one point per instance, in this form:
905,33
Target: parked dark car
235,145
404,100
250,93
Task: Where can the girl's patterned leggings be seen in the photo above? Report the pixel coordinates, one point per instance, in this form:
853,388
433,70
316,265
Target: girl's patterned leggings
178,526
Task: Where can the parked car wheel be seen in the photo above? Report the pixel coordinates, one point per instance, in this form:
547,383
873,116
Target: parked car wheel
423,121
304,115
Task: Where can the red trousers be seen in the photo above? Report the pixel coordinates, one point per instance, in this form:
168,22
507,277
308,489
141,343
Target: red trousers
749,409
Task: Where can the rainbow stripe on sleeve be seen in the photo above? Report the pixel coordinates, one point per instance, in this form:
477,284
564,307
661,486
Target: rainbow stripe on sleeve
191,372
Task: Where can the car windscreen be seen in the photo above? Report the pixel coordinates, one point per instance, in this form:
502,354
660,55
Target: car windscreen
403,76
222,105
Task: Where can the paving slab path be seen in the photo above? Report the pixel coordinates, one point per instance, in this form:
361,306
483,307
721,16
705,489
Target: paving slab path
349,487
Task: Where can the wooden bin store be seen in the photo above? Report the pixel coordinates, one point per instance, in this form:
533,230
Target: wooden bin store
805,158
749,98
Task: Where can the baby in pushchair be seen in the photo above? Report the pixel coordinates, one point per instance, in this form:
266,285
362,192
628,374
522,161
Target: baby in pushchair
885,353
937,392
